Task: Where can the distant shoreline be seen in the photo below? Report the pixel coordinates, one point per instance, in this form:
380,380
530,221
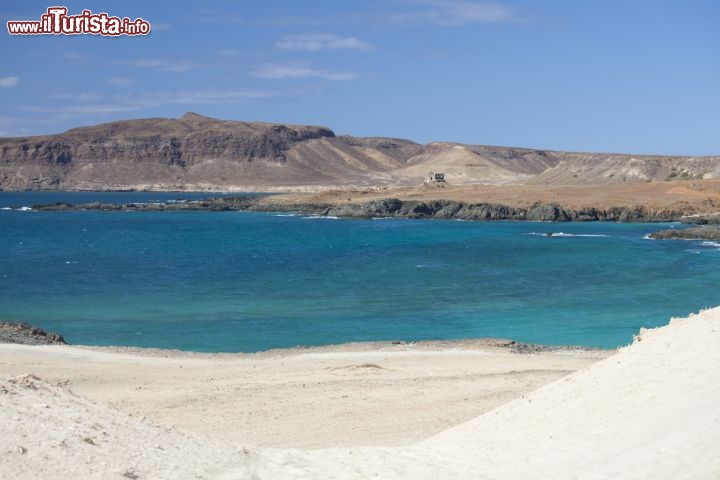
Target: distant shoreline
643,202
498,345
22,333
392,208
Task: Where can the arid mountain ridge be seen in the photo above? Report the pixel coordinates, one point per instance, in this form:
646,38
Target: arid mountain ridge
201,153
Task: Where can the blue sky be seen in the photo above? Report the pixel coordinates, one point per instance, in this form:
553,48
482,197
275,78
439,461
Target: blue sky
623,76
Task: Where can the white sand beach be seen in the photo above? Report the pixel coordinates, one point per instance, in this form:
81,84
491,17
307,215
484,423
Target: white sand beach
459,410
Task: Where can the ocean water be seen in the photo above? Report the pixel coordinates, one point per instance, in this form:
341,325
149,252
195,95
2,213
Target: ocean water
231,281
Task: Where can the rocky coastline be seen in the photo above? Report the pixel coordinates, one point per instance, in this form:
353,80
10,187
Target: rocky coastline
395,208
26,334
701,232
707,228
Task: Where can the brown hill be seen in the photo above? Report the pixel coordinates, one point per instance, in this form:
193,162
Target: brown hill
194,152
201,153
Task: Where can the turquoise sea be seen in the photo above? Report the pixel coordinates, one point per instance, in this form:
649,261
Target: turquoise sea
230,281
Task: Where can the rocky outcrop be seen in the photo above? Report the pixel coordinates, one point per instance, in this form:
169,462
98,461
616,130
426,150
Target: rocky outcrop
702,232
708,219
545,212
28,335
395,208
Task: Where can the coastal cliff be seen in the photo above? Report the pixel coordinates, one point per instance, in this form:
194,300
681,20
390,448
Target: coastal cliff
193,152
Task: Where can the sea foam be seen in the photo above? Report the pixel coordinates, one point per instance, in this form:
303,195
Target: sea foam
562,234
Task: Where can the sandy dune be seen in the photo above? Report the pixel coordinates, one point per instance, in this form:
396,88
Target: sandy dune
652,410
47,432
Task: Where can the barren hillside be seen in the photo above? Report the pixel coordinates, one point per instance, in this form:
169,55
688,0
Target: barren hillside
201,153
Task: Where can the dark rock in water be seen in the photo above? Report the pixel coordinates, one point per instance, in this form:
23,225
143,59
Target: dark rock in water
710,219
27,334
59,206
531,348
702,232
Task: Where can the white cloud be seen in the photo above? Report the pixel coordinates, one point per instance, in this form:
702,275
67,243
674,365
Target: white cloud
74,110
76,97
211,96
178,66
216,16
8,81
99,109
275,71
321,41
32,109
125,103
121,81
192,97
400,13
129,103
454,13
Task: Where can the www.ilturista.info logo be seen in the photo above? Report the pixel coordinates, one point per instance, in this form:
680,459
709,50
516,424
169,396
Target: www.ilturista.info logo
57,22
